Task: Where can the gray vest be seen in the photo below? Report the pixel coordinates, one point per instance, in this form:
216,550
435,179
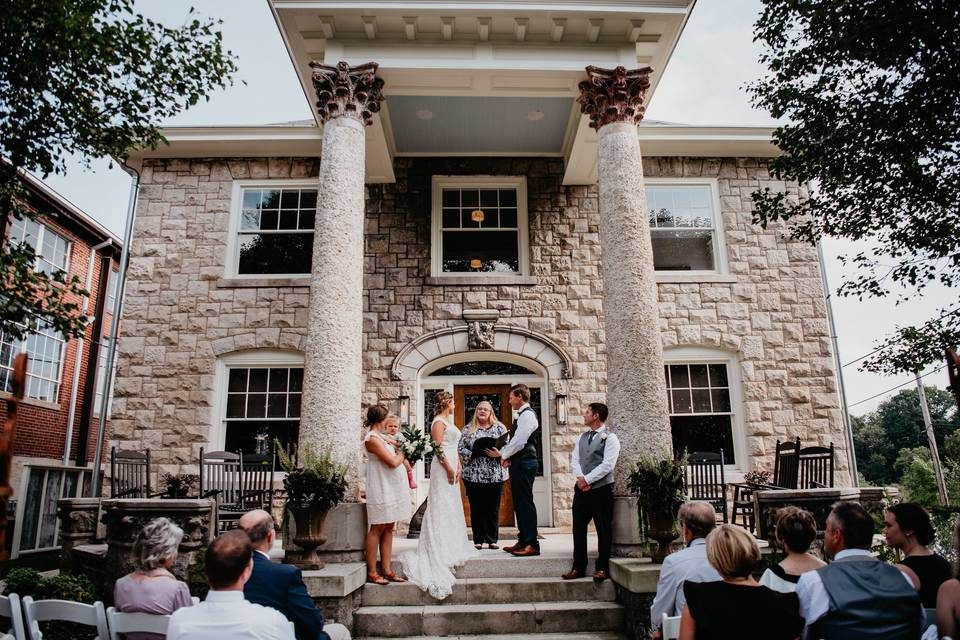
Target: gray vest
868,599
591,455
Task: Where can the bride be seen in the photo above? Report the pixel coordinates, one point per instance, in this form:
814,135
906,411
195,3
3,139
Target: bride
443,542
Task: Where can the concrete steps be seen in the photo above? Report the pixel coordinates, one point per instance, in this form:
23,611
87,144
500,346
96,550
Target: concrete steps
496,563
493,591
485,619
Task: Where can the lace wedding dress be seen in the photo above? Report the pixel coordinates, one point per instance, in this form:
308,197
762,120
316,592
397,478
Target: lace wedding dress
443,542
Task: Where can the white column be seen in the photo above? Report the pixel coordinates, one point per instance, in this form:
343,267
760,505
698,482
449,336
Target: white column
333,374
636,388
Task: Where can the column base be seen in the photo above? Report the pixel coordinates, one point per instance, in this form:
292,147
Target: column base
345,528
628,542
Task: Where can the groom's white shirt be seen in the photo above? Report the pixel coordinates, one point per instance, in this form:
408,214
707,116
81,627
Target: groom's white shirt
526,425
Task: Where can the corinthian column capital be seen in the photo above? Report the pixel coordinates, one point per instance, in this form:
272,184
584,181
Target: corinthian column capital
614,95
343,90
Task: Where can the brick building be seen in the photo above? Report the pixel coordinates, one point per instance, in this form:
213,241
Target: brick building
477,233
59,415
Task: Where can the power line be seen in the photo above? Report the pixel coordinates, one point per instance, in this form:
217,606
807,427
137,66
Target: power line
896,387
888,344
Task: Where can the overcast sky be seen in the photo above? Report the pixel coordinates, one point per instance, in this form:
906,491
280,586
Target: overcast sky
703,84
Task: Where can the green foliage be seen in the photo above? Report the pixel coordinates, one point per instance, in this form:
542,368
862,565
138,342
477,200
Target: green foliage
23,581
314,479
658,484
92,79
917,480
179,483
28,582
873,118
197,575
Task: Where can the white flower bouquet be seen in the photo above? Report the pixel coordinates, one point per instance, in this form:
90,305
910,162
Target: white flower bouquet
414,443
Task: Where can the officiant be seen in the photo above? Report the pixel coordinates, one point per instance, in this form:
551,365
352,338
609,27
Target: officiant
483,476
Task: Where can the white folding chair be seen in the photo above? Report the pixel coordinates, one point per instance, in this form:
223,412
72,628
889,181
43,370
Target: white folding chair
670,627
10,608
135,622
35,612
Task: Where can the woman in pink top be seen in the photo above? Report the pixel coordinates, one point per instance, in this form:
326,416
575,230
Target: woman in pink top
152,588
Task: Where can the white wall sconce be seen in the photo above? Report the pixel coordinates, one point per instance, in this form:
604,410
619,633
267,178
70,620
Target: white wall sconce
404,410
561,408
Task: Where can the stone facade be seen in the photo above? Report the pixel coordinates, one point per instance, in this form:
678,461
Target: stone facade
181,314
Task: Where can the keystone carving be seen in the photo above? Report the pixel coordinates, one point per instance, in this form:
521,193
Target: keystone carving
343,90
614,95
480,335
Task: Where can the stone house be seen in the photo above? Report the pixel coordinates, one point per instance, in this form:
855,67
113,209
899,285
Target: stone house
476,233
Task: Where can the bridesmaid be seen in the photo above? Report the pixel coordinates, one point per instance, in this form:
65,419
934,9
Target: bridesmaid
483,477
388,496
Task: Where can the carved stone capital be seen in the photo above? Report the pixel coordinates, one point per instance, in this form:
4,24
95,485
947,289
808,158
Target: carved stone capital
614,95
343,90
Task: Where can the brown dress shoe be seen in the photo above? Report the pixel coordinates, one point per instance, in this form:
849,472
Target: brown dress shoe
573,574
600,576
528,550
512,548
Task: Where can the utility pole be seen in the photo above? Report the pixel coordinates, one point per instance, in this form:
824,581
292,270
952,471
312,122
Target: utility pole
931,437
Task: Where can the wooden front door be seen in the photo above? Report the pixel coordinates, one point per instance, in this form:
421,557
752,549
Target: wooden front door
467,398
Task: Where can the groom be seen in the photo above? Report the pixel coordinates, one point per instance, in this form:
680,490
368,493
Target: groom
521,456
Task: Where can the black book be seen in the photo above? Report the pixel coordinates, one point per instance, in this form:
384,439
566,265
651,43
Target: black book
482,444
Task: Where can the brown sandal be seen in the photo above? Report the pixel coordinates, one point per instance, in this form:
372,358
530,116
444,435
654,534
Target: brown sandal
376,578
392,577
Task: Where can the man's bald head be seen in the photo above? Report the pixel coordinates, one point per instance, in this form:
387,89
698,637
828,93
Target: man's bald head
258,524
698,517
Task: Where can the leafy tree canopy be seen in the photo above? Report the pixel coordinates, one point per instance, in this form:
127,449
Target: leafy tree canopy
865,87
90,78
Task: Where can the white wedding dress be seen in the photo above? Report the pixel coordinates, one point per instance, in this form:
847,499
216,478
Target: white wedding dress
443,542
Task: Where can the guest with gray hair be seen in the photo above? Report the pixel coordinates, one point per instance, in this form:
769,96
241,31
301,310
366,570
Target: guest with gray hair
151,588
698,518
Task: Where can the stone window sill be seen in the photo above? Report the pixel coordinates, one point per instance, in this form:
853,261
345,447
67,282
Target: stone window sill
482,280
691,277
252,283
33,402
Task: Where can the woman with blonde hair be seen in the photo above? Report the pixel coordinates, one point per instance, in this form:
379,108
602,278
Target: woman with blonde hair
483,476
715,610
443,544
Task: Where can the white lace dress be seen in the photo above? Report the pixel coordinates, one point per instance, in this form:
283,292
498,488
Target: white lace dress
443,542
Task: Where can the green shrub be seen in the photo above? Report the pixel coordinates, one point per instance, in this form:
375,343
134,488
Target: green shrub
28,582
23,581
69,587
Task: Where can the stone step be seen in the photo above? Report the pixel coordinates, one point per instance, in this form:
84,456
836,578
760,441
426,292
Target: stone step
519,636
467,619
493,591
496,563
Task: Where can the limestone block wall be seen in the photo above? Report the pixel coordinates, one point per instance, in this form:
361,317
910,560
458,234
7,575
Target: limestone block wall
181,314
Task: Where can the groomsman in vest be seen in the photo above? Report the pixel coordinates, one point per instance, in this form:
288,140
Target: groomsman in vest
521,456
594,458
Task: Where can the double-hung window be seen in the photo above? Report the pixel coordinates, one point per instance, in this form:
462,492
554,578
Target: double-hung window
479,226
44,348
262,404
686,229
52,249
272,229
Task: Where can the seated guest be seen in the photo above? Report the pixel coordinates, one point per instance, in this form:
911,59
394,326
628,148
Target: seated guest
948,598
796,530
698,519
280,586
225,614
856,595
151,588
907,528
738,606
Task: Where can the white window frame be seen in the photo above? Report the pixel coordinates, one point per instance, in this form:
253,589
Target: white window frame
479,182
101,375
231,270
721,265
706,355
113,287
253,359
46,467
22,348
38,250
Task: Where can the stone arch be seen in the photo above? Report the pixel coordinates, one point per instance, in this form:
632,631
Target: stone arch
505,339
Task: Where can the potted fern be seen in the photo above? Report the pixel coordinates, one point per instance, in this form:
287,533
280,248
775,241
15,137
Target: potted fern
315,483
658,485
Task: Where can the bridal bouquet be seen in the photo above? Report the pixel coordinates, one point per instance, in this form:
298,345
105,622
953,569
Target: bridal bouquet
414,443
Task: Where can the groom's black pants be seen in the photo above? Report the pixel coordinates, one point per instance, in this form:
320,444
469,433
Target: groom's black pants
596,505
522,475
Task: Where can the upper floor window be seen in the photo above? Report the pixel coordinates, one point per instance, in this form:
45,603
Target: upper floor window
685,226
272,229
479,226
44,348
52,249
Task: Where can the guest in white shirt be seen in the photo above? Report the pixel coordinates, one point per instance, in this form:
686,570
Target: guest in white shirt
225,613
698,518
594,458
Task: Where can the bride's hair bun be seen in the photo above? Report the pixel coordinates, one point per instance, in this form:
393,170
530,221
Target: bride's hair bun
376,413
440,401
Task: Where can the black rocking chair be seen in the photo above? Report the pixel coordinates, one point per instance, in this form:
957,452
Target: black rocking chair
786,471
704,480
129,474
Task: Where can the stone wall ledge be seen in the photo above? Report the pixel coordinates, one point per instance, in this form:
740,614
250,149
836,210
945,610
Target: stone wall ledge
253,283
636,575
668,278
481,281
335,580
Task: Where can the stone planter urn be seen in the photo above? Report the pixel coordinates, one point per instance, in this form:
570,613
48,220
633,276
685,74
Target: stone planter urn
309,534
662,528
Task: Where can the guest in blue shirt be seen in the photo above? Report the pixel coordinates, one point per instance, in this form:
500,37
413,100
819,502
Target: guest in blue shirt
280,586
